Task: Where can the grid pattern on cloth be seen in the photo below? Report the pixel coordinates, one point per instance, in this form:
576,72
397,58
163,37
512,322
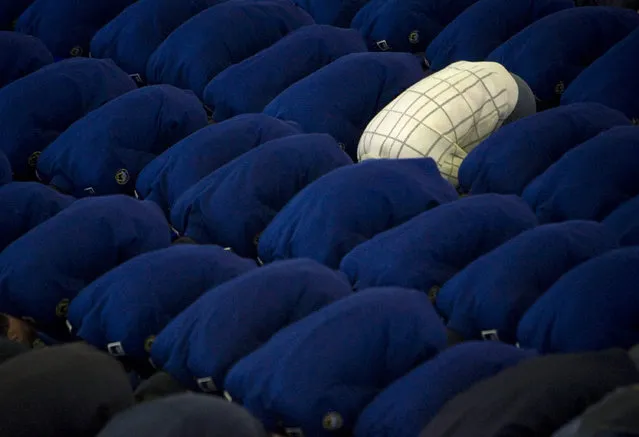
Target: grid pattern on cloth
443,117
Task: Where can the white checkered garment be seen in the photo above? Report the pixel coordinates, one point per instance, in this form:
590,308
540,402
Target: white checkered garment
443,116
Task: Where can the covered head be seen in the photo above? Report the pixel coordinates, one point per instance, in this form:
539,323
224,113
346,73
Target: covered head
126,308
446,115
21,55
490,296
337,13
591,307
36,109
219,37
484,26
250,85
131,38
185,415
180,167
350,205
71,390
431,248
41,272
343,97
537,396
238,317
624,222
319,373
610,79
511,158
103,152
67,26
407,405
589,181
551,52
24,205
233,205
406,26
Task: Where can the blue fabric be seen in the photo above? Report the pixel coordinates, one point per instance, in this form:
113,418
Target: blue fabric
431,248
550,53
219,37
592,307
610,80
135,301
48,266
172,173
350,205
495,291
234,319
406,407
103,152
406,25
24,205
334,12
337,360
20,55
67,26
131,37
624,222
354,88
508,160
589,181
6,174
185,415
234,204
10,10
484,26
34,110
250,85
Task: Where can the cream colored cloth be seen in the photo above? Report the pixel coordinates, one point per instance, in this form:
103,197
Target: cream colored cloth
443,116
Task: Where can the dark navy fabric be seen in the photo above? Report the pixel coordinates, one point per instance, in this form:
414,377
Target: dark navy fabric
550,53
320,373
592,307
484,26
67,26
24,205
6,174
511,158
233,205
131,37
405,407
431,248
48,266
132,303
21,55
10,10
185,415
535,397
34,110
494,292
234,319
103,152
610,80
172,173
589,181
624,222
350,205
334,12
219,37
70,390
250,85
406,25
614,416
354,88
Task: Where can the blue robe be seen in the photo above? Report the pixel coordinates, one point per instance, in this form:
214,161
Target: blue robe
21,55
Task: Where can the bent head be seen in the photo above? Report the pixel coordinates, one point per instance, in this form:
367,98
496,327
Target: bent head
526,101
16,330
